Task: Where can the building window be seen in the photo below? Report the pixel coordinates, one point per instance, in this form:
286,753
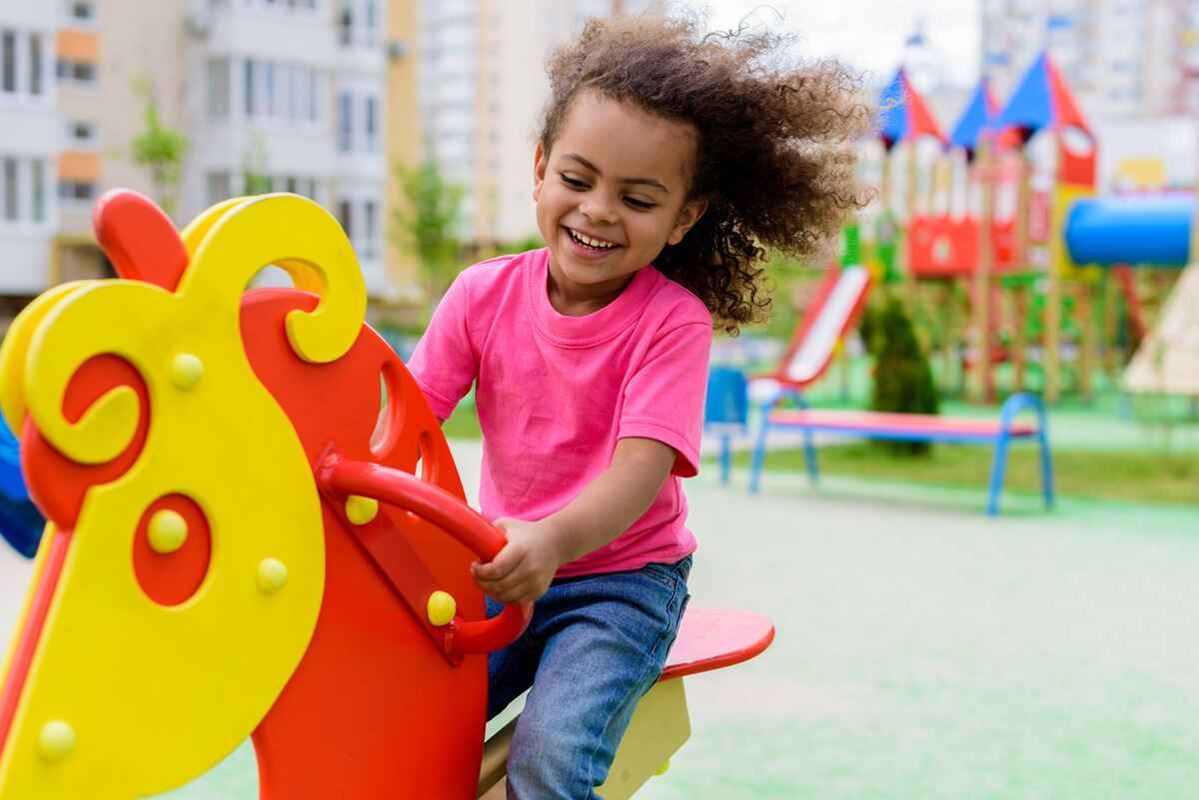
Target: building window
372,21
39,190
81,132
345,216
35,64
76,191
372,123
313,95
248,86
218,88
268,88
345,123
83,11
345,22
370,226
81,72
8,62
218,186
22,190
12,210
293,78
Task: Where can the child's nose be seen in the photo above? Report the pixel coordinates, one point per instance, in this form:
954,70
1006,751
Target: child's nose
597,209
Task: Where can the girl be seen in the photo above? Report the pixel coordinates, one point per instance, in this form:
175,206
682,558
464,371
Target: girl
667,161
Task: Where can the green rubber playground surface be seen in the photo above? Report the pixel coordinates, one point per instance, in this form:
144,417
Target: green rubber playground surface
923,650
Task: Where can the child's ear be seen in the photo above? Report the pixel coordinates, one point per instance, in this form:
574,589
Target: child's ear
540,161
689,215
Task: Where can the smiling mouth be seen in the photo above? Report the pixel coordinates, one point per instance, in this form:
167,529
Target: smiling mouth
590,242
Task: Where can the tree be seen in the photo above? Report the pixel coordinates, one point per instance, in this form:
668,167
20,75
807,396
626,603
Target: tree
424,223
903,379
161,149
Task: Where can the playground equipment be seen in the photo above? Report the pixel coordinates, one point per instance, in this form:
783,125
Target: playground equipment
20,523
236,547
916,428
726,411
1167,361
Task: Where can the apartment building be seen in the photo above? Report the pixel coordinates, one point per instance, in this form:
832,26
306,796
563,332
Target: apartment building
309,96
288,96
1123,58
29,149
482,85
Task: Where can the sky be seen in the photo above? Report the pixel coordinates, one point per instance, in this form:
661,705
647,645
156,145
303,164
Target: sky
868,34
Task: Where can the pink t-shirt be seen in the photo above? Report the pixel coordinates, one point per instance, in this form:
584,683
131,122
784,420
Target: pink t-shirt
555,393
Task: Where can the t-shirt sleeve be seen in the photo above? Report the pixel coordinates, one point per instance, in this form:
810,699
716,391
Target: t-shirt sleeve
444,363
664,399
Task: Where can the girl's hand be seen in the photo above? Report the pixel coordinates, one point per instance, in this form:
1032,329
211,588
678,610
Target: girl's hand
522,571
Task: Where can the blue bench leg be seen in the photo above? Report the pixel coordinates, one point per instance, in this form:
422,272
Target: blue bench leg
755,469
809,457
998,466
1046,468
726,458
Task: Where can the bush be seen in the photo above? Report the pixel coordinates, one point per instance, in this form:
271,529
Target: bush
903,379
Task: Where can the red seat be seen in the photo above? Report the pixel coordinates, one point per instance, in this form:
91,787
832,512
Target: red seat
711,638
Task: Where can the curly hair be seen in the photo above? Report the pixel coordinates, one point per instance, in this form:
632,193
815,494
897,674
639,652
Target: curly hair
775,148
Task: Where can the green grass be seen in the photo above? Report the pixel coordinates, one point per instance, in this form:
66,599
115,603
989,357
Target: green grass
1139,477
462,424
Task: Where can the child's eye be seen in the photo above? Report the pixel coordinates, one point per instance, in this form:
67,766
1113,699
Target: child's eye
573,183
639,204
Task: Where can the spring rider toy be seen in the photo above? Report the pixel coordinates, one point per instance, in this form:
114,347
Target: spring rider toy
238,542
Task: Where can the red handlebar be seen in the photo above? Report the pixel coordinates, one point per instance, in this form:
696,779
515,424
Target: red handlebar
446,511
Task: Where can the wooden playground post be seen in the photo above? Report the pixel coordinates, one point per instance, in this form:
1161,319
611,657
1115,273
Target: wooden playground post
1053,318
1111,324
1086,356
1022,260
984,387
1019,342
884,182
909,209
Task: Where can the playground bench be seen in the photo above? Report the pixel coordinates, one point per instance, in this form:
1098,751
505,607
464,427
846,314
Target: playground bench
912,428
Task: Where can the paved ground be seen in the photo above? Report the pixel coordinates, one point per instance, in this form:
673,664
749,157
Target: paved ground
923,651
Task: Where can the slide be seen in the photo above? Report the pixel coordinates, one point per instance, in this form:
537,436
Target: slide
838,302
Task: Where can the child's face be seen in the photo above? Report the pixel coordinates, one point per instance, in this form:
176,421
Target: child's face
611,193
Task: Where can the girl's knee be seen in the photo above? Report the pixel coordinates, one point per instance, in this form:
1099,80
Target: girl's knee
549,763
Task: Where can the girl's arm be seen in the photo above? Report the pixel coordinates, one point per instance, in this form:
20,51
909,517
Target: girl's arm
606,507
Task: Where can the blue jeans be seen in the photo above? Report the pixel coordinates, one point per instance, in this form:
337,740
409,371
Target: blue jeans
595,645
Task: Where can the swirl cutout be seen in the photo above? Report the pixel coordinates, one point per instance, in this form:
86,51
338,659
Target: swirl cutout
298,235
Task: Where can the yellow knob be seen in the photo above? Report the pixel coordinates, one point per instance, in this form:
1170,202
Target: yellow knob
272,575
441,608
662,769
361,510
186,371
167,531
56,740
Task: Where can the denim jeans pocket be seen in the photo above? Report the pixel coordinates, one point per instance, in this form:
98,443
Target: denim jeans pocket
669,575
